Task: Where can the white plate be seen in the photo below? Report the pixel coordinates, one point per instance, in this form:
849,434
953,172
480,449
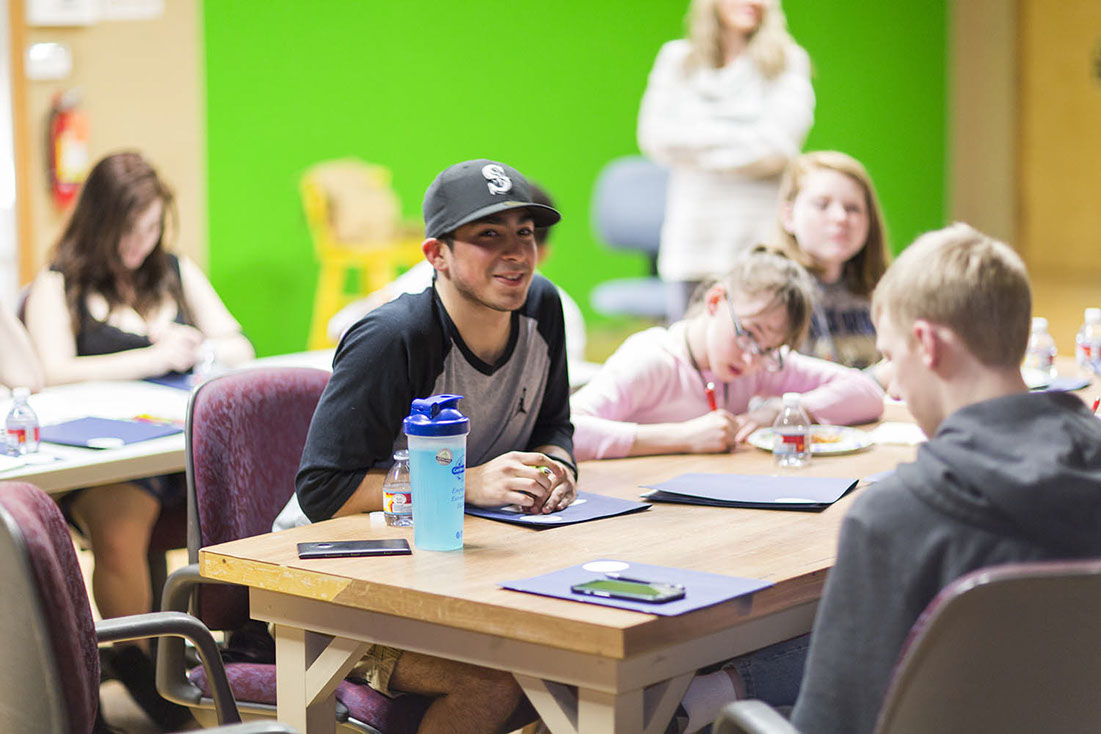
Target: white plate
1035,379
824,439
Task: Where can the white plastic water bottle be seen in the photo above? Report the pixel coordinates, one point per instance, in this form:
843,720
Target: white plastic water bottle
1087,344
207,365
1040,355
21,425
397,497
791,433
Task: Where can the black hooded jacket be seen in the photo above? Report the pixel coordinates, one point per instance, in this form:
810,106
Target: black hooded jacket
1012,479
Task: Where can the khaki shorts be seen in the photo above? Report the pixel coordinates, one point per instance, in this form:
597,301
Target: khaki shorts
376,666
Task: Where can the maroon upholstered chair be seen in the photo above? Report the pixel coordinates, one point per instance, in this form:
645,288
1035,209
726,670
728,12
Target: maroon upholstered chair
50,678
245,435
1006,648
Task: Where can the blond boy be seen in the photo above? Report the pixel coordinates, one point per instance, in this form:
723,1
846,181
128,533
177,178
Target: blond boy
1006,476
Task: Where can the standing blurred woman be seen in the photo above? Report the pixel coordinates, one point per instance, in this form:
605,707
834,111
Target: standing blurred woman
114,304
725,110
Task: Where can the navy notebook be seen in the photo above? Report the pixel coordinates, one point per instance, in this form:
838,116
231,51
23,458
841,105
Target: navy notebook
105,433
756,491
587,506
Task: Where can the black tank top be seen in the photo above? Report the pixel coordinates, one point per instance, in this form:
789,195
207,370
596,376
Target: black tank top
98,337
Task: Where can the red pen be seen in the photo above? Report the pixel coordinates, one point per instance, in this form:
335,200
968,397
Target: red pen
1095,404
709,388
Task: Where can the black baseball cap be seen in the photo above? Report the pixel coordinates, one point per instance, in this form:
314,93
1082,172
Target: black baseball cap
470,190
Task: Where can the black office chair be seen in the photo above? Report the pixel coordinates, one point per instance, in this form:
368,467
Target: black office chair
1006,648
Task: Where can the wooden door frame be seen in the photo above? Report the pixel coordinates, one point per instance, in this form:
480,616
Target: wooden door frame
21,140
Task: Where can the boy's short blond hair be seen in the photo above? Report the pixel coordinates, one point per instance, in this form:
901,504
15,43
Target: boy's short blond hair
971,283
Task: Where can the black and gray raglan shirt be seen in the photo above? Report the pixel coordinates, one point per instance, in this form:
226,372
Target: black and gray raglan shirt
409,348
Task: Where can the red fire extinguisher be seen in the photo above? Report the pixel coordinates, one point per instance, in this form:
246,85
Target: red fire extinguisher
68,148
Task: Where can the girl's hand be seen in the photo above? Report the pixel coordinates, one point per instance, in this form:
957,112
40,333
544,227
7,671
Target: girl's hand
175,347
763,415
711,433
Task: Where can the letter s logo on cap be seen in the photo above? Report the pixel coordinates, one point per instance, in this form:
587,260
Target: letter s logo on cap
498,182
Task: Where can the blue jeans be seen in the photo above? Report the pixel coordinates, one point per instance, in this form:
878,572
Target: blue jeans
773,674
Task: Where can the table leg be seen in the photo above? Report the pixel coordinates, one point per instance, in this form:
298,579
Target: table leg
309,667
566,710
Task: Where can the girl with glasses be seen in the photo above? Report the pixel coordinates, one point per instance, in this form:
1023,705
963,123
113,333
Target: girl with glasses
706,382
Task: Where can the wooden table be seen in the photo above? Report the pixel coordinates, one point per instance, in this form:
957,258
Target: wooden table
64,468
586,668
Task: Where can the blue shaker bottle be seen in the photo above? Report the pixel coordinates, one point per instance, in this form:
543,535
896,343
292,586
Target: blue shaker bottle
437,471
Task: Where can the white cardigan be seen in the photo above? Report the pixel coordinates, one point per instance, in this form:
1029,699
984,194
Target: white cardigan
726,134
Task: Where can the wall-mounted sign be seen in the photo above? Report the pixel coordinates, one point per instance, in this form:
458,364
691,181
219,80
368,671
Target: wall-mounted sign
62,12
48,61
132,9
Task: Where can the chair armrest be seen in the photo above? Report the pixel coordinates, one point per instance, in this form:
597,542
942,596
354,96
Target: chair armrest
178,587
751,717
179,626
256,727
172,680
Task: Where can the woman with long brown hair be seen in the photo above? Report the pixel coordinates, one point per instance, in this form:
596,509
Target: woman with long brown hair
115,304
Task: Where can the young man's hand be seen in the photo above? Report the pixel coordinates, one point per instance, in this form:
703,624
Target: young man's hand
530,480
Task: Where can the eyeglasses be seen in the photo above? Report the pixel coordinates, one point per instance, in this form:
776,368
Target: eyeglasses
772,359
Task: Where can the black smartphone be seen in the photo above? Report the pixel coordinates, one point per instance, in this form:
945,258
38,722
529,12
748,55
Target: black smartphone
648,591
348,548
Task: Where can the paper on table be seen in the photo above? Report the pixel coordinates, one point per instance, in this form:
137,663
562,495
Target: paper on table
587,506
897,432
701,589
104,433
757,491
10,462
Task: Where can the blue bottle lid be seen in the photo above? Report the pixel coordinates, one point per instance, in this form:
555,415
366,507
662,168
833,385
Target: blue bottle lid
437,415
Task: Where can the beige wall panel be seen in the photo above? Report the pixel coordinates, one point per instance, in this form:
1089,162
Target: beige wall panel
141,84
1060,148
982,183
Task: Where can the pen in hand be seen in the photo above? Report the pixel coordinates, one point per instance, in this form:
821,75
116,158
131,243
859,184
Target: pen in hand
709,388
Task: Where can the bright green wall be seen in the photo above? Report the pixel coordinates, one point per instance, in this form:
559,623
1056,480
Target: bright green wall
550,87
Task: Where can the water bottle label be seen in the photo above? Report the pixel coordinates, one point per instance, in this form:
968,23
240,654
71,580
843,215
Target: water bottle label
18,436
397,503
791,443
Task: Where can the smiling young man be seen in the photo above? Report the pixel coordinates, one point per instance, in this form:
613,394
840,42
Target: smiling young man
490,330
1006,476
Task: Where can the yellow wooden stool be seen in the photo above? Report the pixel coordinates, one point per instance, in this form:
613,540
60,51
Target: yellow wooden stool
354,219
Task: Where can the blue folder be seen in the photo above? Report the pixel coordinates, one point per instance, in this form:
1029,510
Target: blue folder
755,491
105,433
587,506
178,380
701,589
